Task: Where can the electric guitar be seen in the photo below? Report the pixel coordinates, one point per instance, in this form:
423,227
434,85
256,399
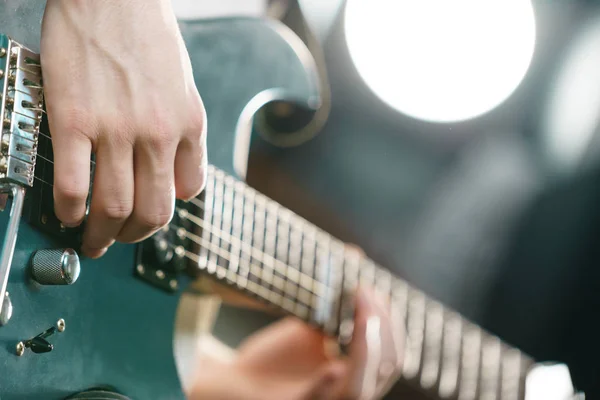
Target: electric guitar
76,328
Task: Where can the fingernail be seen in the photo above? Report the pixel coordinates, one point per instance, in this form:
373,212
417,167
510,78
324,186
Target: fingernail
94,253
73,224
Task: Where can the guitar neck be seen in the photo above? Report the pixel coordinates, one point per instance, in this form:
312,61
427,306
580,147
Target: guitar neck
240,237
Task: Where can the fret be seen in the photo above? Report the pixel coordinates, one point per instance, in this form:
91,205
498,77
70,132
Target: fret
276,263
260,231
512,370
206,233
246,242
217,210
351,271
236,248
308,259
263,245
366,272
228,223
322,272
271,229
415,327
295,258
490,368
218,219
283,236
296,238
432,347
383,282
336,292
278,257
250,253
451,352
470,359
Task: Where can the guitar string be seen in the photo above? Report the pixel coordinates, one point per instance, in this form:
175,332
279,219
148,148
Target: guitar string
195,258
369,270
246,281
356,258
264,258
50,161
314,287
295,305
244,246
261,286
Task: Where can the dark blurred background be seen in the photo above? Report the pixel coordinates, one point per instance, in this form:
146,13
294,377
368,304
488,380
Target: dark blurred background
495,214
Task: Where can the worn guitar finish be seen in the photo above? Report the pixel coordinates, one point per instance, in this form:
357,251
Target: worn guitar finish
119,330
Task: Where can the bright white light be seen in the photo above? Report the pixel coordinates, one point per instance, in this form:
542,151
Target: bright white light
549,382
441,60
573,110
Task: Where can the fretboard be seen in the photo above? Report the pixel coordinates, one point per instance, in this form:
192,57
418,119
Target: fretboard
250,242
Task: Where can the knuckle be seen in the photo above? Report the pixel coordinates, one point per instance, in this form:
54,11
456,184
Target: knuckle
161,130
193,188
155,220
70,192
160,141
118,131
74,119
161,137
117,211
197,123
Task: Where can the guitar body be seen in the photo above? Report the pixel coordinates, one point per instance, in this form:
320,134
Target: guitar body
120,329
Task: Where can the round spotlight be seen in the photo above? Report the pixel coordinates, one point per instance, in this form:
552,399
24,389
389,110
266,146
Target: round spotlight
571,122
439,60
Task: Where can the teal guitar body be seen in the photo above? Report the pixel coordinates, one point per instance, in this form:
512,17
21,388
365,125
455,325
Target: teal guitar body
119,328
111,334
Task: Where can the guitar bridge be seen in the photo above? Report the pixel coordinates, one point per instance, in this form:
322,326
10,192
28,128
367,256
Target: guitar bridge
21,111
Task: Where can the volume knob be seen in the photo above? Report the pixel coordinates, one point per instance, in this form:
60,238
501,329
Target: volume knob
55,267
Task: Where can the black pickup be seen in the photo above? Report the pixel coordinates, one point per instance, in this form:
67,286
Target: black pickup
38,209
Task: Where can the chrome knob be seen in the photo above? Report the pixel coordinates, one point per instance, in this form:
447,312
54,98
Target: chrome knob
55,267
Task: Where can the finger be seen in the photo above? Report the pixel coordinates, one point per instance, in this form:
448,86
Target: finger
392,347
154,191
393,339
112,197
190,165
283,344
72,155
373,351
358,350
325,384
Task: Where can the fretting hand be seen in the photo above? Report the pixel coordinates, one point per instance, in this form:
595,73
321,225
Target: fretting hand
118,82
289,360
